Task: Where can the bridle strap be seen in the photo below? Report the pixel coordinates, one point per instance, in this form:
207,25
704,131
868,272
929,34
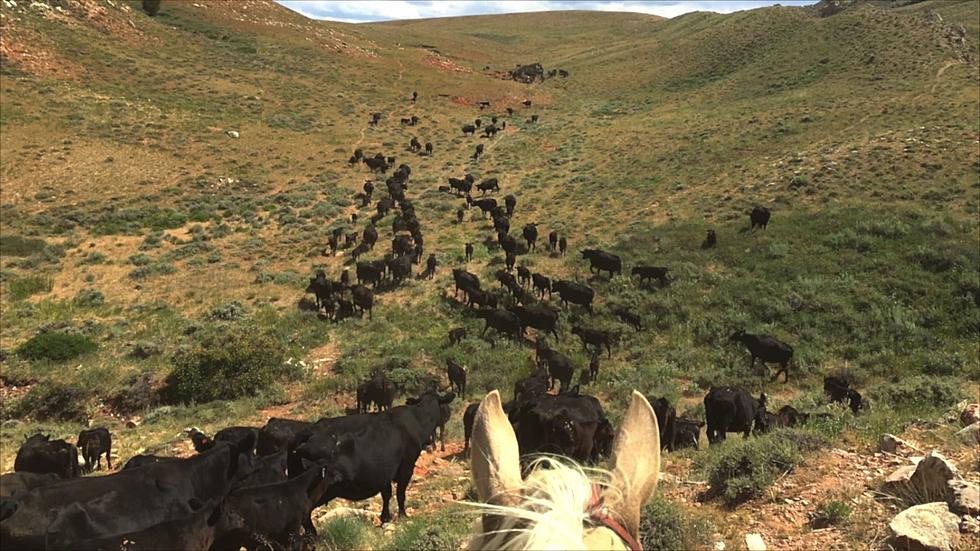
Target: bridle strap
599,514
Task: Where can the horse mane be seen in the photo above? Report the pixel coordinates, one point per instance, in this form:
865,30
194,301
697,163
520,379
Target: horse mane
552,509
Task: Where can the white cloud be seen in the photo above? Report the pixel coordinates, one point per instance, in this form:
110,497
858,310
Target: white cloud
384,10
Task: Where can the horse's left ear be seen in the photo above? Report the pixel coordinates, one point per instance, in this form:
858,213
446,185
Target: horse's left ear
635,462
495,457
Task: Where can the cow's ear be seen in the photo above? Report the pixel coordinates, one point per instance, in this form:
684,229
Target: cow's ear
495,456
635,462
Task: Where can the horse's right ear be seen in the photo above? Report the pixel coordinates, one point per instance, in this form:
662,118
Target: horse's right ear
635,462
495,458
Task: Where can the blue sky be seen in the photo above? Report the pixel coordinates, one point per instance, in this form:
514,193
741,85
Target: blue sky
359,11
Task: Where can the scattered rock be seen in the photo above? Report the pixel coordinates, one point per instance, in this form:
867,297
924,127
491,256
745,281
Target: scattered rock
890,443
233,134
931,477
970,415
754,542
719,546
930,527
969,525
970,435
964,497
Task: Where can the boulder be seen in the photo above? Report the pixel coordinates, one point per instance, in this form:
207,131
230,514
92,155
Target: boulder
970,435
233,134
898,480
964,497
931,477
970,415
754,542
930,527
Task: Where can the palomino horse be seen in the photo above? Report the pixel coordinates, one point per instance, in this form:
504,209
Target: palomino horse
561,505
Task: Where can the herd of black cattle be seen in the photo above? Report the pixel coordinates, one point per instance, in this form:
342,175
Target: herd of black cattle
256,487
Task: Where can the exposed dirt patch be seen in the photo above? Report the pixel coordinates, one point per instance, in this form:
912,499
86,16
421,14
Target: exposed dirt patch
444,64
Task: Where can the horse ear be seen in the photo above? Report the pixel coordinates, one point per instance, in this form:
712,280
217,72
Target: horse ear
635,462
495,458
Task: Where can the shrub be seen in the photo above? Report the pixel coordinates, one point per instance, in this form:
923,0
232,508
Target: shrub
24,287
665,526
15,245
52,402
342,533
56,346
831,512
151,7
227,312
443,531
919,392
137,394
236,362
89,298
740,470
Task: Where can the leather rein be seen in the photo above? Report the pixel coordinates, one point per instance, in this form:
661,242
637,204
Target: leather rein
600,514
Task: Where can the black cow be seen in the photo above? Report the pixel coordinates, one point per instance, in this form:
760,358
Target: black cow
562,246
533,385
127,501
370,236
414,145
39,454
527,103
687,433
710,240
508,281
380,391
759,218
93,443
531,235
576,293
652,272
469,129
484,104
732,409
428,148
490,184
457,376
507,242
279,513
461,185
481,299
363,298
574,426
468,252
502,321
370,272
541,284
553,241
666,416
370,451
539,316
768,349
142,460
17,484
490,131
478,152
466,281
193,531
277,433
485,205
839,390
244,439
510,202
510,110
560,368
523,275
788,416
509,261
603,261
468,417
456,335
629,318
594,337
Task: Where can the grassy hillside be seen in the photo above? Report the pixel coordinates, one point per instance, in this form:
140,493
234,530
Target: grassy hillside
129,216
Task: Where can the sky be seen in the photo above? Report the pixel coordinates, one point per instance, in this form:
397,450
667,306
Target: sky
360,11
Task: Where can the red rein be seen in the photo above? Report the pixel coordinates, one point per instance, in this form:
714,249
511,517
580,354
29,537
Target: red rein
600,515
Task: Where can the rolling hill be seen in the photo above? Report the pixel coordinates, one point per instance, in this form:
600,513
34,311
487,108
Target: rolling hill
169,184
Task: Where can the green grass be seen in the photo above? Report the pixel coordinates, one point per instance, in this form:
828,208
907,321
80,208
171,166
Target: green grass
24,287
